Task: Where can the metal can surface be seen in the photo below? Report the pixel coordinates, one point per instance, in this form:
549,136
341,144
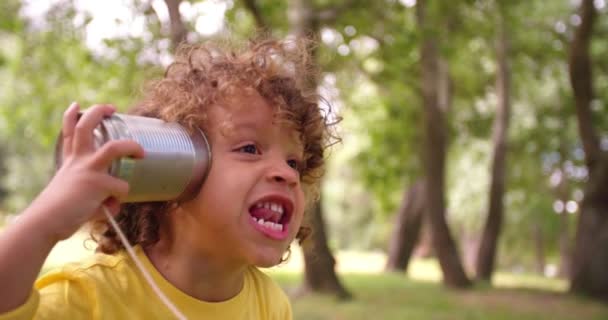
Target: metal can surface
175,162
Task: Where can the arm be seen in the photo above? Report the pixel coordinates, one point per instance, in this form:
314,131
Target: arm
74,195
23,249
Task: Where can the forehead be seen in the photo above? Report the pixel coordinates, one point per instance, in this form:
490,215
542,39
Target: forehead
244,107
247,110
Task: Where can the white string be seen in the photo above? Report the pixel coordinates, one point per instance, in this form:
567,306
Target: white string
141,267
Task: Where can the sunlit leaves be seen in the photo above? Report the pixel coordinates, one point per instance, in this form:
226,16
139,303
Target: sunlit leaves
44,72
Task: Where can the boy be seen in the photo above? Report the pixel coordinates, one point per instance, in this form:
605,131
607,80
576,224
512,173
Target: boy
267,138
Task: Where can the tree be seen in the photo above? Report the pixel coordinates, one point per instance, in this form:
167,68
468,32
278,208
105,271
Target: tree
408,222
434,152
590,259
488,245
319,270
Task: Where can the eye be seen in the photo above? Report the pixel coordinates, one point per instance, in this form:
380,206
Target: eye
249,148
295,164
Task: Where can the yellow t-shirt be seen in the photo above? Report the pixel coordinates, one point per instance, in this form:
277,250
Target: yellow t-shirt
111,287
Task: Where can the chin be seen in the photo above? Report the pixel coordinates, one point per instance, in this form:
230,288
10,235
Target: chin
268,259
267,264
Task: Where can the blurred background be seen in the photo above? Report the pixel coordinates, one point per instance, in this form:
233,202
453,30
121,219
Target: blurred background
472,177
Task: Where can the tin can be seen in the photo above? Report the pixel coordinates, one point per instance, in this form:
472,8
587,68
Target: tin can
175,162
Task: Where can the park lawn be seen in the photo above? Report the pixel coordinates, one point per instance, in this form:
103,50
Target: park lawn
394,296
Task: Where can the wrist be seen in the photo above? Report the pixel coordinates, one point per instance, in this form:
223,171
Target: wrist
40,233
41,221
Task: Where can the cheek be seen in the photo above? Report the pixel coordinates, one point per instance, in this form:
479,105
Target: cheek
217,179
301,206
224,189
210,193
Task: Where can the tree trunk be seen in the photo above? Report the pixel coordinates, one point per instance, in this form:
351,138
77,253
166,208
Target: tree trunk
320,275
319,263
178,30
563,195
590,256
424,248
539,248
407,228
486,256
582,82
434,155
565,240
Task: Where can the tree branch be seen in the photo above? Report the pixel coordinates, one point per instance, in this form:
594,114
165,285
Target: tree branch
178,30
581,80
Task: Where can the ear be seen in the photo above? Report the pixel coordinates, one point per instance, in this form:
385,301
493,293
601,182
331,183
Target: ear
174,207
286,255
303,233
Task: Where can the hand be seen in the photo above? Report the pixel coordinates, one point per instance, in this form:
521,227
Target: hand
82,185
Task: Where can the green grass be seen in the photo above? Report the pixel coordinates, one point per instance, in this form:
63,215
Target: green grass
393,296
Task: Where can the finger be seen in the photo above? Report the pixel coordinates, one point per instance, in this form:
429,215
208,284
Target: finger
83,132
115,149
112,186
70,117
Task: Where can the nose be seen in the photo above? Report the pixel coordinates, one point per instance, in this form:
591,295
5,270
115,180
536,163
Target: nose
280,172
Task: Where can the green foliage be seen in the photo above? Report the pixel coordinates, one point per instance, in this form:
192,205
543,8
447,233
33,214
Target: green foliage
371,51
381,75
9,22
369,54
45,71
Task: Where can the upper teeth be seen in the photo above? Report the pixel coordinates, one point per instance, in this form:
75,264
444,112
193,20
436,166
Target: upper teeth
271,206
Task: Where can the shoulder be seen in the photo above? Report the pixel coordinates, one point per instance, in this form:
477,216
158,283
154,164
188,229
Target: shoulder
262,281
75,290
92,269
99,276
269,294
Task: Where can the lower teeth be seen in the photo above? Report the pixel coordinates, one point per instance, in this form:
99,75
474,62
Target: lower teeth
269,225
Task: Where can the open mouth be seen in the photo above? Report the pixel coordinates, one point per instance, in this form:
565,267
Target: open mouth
271,215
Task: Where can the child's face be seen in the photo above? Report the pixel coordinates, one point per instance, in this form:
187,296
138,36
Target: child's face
253,178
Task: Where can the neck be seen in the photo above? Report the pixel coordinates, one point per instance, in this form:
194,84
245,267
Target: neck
201,276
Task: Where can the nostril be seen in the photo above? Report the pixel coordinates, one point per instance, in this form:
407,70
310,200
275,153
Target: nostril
282,174
279,179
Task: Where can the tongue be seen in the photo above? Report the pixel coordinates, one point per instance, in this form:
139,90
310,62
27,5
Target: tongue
263,213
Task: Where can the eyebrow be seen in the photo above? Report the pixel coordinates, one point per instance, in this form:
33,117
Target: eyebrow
247,126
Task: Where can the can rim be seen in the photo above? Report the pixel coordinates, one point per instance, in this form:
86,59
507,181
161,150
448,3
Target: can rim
201,168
